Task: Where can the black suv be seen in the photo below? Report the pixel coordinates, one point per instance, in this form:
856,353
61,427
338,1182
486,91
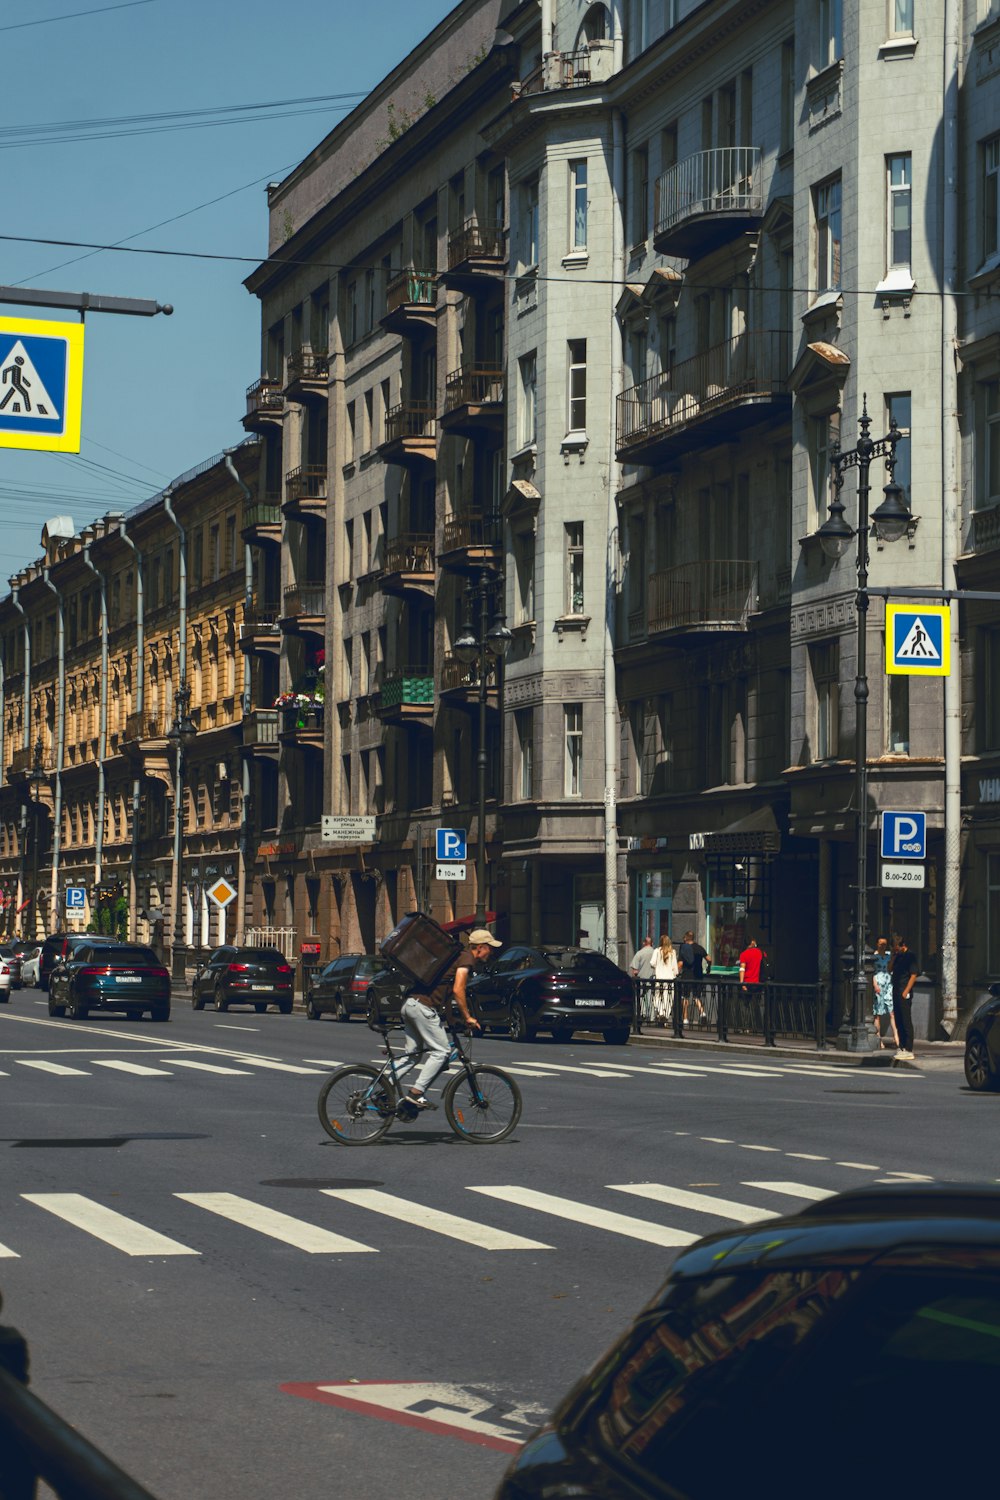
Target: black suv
59,946
342,988
244,976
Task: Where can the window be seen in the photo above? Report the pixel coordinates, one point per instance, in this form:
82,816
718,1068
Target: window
384,405
529,224
787,95
824,659
987,442
897,718
232,555
573,772
640,196
214,554
312,906
654,744
989,718
528,410
574,568
353,318
578,385
824,435
369,432
524,728
901,12
830,32
900,210
524,576
826,200
578,205
352,432
370,310
898,406
990,197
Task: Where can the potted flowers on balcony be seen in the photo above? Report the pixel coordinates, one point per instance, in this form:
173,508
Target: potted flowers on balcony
301,709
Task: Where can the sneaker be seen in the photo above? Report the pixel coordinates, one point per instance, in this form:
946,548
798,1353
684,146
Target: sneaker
903,1055
421,1101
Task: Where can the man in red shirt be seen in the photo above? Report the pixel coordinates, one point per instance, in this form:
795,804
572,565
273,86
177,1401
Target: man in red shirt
750,961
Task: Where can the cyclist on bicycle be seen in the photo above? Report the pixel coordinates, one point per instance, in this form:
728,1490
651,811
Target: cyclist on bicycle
424,1013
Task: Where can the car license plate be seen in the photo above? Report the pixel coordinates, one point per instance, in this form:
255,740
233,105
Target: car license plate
129,979
589,1003
261,987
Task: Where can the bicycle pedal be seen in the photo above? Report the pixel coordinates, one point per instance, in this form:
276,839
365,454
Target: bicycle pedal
407,1109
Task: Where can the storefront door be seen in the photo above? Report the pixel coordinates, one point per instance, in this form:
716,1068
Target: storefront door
653,904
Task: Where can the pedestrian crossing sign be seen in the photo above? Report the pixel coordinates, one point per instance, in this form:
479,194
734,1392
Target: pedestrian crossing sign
41,384
917,642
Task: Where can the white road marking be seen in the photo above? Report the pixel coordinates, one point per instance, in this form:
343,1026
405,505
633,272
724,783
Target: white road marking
658,1070
202,1067
456,1228
737,1070
226,1026
717,1140
743,1145
793,1190
907,1177
700,1203
586,1213
6,1254
277,1226
51,1067
326,1062
520,1072
127,1067
275,1067
806,1156
591,1072
107,1225
858,1166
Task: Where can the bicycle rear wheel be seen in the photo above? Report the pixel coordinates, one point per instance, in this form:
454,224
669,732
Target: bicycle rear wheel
483,1106
354,1107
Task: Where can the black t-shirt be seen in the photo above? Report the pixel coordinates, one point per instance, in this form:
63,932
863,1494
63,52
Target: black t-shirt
903,965
439,996
692,956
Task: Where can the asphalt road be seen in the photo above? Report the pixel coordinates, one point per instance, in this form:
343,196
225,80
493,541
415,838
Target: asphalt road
196,1358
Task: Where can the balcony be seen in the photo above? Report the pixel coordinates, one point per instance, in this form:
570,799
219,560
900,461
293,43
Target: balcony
260,732
151,724
307,375
305,493
265,404
404,695
985,536
477,255
714,395
713,597
707,199
471,541
593,63
262,520
302,726
22,762
411,303
460,684
409,564
410,434
473,400
304,608
261,631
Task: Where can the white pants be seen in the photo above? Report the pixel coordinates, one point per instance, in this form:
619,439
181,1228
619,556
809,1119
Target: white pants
425,1034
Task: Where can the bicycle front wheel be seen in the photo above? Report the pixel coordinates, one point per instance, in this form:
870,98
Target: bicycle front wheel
355,1106
483,1105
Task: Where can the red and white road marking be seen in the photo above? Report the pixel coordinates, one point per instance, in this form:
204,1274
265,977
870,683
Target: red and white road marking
448,1410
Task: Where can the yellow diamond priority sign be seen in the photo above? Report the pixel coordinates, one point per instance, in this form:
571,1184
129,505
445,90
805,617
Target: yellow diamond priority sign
222,891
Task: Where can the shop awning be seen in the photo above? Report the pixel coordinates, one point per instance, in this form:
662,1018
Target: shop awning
757,833
465,924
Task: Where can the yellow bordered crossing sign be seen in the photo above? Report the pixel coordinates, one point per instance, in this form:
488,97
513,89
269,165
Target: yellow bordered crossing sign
917,640
41,384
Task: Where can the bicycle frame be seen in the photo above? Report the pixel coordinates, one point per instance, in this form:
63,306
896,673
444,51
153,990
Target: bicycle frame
390,1071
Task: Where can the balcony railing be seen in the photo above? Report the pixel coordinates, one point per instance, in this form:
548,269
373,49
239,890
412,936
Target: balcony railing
471,531
715,594
455,675
262,614
260,727
151,724
411,289
308,482
308,364
265,396
411,419
404,687
410,552
305,599
568,70
475,241
473,385
726,180
986,529
750,366
261,513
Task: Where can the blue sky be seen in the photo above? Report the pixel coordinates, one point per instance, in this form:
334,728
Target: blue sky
161,394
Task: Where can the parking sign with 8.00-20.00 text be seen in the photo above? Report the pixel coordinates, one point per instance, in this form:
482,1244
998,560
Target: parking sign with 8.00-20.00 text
904,835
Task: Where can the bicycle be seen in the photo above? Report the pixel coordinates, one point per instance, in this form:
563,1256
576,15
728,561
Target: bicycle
359,1102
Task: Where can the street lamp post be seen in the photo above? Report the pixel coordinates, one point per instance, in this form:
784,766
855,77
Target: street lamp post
36,776
491,641
180,735
889,522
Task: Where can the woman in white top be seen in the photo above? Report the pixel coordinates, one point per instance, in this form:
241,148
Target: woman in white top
664,973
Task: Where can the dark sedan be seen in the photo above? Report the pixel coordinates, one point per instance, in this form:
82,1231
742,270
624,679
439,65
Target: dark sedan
982,1044
386,992
61,945
342,988
562,990
109,976
244,976
765,1337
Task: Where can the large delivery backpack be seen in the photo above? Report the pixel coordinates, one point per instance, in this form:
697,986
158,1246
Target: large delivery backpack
421,949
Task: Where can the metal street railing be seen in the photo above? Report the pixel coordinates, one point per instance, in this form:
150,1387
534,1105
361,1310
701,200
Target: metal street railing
724,1008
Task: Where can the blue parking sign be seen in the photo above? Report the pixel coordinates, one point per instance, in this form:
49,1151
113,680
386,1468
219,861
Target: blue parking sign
76,898
904,835
450,843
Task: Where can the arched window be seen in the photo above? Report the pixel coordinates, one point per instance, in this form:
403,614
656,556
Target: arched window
596,26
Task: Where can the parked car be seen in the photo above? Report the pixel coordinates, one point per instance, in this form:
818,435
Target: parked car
61,945
759,1329
29,966
385,995
6,981
341,988
556,989
982,1043
102,975
244,976
12,959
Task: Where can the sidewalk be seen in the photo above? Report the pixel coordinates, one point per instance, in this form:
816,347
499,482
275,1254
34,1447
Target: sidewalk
931,1055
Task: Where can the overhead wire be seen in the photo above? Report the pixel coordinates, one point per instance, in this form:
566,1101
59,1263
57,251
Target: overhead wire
75,15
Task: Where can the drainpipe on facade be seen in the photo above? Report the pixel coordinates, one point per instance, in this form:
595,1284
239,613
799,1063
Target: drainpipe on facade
241,875
175,872
102,731
611,941
140,705
15,600
61,743
546,27
951,521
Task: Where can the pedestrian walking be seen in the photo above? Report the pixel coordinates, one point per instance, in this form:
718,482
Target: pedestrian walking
641,969
751,961
882,985
694,964
665,972
905,969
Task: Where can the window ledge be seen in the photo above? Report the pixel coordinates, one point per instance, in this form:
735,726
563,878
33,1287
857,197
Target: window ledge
576,259
896,283
525,280
574,442
572,622
348,470
987,275
530,450
897,48
524,629
820,308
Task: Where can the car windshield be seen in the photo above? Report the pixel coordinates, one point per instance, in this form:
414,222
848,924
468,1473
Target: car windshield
581,961
120,954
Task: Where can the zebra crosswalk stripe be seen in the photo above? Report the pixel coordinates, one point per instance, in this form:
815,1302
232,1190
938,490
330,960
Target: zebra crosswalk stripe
311,1238
793,1190
7,1254
107,1225
587,1213
702,1203
129,1067
50,1067
467,1230
203,1067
